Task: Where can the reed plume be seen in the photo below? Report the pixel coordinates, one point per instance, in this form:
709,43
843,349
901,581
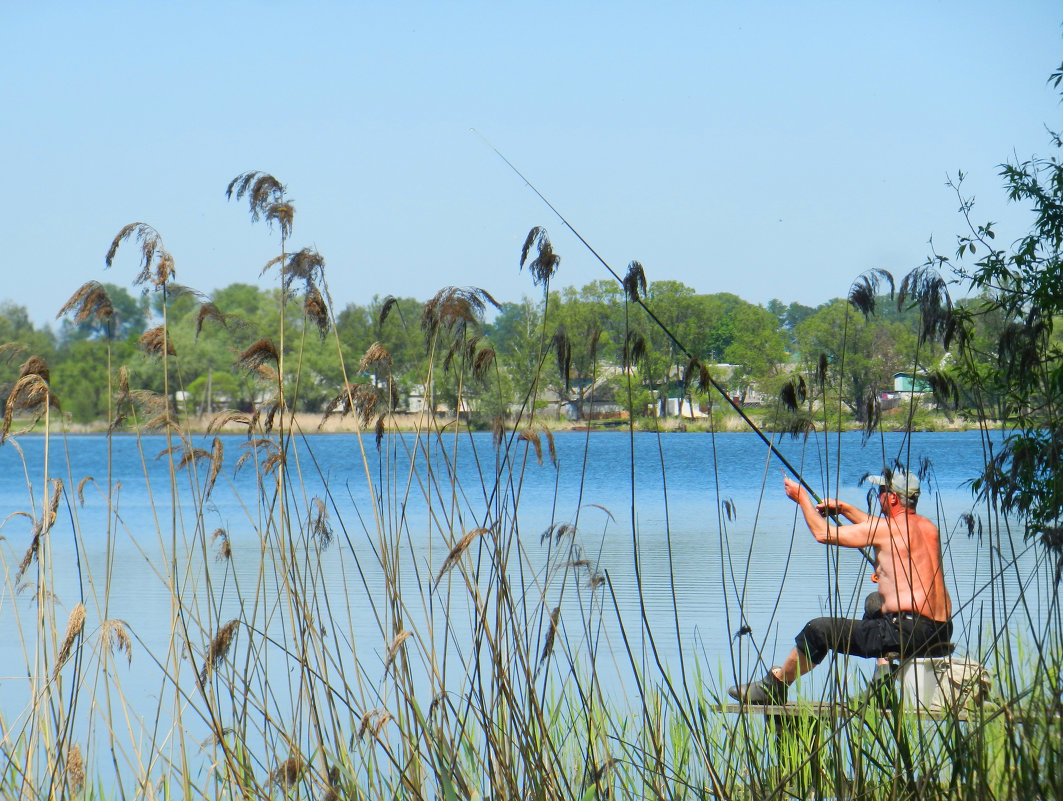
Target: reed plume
548,642
116,638
42,527
90,301
274,461
551,446
155,409
872,408
696,369
123,399
372,722
865,288
259,353
925,288
794,393
320,529
635,282
225,550
393,648
390,302
360,398
75,769
81,488
188,454
483,362
466,347
316,311
380,429
218,650
545,264
227,417
635,348
558,531
74,626
252,446
29,558
265,198
306,265
377,354
216,457
288,773
30,395
453,310
458,549
155,341
208,311
52,509
264,416
800,426
533,437
151,251
822,367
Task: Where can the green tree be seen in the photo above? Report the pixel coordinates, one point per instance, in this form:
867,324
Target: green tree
1019,302
758,348
861,352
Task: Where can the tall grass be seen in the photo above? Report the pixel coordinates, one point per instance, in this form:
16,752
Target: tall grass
421,644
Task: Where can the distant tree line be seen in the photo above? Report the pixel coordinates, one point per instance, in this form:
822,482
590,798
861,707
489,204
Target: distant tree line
568,338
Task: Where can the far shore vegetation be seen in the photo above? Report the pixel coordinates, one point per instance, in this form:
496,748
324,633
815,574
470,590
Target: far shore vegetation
575,340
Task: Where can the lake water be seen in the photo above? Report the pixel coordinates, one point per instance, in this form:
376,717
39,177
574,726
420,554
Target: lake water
718,546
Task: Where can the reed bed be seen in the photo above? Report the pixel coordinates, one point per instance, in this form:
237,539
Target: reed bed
420,645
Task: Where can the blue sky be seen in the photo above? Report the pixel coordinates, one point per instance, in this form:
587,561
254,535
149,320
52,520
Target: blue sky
769,149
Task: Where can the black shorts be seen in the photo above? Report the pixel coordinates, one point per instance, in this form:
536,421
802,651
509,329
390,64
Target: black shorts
905,633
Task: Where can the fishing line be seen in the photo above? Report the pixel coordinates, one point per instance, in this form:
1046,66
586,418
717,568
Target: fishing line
683,349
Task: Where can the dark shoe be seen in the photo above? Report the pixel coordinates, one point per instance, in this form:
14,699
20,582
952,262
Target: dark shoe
769,691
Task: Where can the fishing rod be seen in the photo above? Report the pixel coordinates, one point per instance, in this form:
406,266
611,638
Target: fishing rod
683,349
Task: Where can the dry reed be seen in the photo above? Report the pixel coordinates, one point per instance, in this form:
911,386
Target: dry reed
75,769
530,436
376,354
393,648
218,650
316,311
90,301
216,457
225,550
227,417
155,341
74,626
116,638
548,642
288,773
259,353
458,549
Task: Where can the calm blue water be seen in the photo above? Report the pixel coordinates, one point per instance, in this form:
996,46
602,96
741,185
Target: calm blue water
716,542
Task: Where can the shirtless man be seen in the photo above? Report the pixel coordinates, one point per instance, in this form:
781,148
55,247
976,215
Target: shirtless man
916,609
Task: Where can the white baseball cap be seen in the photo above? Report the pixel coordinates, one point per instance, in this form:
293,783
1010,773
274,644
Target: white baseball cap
900,481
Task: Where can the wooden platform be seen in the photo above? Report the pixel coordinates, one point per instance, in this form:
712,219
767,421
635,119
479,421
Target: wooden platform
833,710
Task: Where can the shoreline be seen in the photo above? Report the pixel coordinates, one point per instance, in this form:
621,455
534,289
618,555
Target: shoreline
308,423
